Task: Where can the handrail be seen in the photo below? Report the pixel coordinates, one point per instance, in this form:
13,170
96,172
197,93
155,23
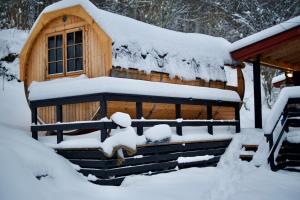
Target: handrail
273,146
271,158
104,98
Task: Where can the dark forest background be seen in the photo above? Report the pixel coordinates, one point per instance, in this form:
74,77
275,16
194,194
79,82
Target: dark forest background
231,19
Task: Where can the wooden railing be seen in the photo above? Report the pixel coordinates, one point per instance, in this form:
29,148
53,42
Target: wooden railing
139,123
285,120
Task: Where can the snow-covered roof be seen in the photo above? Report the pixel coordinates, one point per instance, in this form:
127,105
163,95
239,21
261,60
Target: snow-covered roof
150,48
82,85
269,32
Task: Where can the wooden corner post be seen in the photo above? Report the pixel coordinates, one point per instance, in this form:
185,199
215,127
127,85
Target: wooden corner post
257,93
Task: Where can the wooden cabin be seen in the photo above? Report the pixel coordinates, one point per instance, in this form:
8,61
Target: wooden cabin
80,39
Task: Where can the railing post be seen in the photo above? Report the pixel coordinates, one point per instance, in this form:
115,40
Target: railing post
209,116
103,113
59,118
34,121
139,115
178,116
237,117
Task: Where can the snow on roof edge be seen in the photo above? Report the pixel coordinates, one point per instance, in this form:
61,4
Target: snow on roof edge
269,32
82,85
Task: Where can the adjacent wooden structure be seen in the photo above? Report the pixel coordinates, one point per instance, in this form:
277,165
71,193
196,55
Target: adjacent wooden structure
280,51
47,55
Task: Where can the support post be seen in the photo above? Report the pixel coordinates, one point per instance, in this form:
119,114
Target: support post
209,116
178,116
139,115
103,113
59,117
237,117
34,121
257,93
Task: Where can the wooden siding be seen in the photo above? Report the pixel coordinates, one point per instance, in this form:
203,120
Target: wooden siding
97,49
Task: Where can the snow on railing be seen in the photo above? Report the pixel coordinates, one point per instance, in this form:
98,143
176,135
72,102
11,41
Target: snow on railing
274,115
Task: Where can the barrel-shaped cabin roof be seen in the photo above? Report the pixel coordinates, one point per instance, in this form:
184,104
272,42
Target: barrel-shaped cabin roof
143,46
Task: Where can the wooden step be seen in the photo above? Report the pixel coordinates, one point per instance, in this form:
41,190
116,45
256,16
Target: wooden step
146,150
250,147
145,168
291,169
136,160
293,163
245,157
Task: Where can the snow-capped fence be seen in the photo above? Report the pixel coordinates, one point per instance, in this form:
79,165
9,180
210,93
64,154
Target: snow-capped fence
285,113
139,122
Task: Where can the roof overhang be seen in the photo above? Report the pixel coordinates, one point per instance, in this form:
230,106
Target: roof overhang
280,51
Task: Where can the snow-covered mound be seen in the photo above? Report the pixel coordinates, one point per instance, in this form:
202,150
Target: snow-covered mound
11,41
151,48
80,86
122,119
158,133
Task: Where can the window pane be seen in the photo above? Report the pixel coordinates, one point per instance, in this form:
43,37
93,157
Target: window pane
78,50
78,37
70,52
71,65
79,64
58,40
51,68
51,41
59,67
59,54
51,55
70,38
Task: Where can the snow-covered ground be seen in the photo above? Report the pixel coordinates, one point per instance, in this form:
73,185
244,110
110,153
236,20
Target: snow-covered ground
22,159
32,170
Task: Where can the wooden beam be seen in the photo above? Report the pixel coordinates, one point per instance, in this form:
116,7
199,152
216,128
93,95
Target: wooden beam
209,116
178,116
34,121
139,115
59,117
265,45
257,93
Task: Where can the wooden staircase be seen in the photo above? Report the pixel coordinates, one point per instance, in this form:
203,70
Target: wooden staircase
289,157
248,152
148,160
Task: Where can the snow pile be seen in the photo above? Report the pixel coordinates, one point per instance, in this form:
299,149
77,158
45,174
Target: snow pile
293,136
22,159
11,41
122,119
278,78
285,94
29,170
150,48
158,133
80,86
194,159
124,138
274,30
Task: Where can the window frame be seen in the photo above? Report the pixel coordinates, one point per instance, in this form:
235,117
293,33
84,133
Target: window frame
66,49
64,33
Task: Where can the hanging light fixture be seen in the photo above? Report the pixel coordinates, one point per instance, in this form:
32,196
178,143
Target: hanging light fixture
289,74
